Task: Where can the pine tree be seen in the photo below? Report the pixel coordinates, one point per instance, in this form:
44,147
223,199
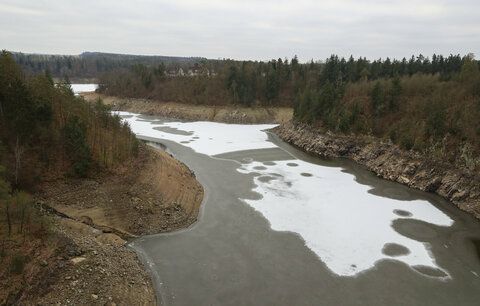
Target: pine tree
76,146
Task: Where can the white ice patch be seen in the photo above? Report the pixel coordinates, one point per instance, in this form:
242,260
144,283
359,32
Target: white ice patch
79,88
209,138
341,222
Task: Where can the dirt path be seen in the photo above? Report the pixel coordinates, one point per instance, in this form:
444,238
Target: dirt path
229,114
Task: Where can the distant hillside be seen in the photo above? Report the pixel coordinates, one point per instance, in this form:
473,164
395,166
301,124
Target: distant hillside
93,64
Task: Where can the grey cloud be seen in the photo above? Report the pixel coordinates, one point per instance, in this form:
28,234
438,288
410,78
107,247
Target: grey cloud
242,29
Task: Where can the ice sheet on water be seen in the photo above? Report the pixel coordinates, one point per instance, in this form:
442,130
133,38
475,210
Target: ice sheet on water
344,224
209,138
78,88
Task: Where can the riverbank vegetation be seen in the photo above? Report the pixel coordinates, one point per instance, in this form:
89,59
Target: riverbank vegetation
46,133
435,113
46,129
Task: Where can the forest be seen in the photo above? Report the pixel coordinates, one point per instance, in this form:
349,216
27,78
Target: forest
431,111
431,105
92,64
48,133
276,82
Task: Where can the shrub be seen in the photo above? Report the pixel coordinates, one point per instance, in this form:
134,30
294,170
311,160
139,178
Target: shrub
3,253
436,126
18,263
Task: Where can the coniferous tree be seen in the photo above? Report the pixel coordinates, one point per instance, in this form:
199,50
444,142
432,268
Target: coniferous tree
76,146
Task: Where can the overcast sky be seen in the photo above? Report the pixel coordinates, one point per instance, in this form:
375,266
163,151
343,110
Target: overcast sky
242,29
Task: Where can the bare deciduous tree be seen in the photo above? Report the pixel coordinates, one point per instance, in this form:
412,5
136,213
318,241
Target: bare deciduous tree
18,153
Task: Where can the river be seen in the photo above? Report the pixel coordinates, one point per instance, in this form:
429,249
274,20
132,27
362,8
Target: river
279,227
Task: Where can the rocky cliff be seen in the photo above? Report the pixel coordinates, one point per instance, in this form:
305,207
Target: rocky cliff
459,186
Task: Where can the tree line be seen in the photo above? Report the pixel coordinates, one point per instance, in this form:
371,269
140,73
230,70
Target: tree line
92,64
276,82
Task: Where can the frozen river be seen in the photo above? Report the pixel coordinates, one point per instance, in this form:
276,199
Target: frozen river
81,88
280,227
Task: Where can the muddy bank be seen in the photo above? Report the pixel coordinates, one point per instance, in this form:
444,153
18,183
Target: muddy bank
75,264
386,160
190,112
152,194
85,259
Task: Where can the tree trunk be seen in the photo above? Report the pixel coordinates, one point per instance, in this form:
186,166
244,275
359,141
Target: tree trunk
18,152
9,222
22,218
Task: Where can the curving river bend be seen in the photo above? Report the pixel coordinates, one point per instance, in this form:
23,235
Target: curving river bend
279,227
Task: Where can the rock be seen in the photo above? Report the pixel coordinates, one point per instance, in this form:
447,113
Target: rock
460,195
94,296
410,169
43,263
433,185
86,220
77,260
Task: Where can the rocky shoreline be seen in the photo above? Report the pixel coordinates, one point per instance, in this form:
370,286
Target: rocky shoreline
388,161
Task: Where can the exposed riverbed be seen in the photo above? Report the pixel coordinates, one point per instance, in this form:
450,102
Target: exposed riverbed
281,227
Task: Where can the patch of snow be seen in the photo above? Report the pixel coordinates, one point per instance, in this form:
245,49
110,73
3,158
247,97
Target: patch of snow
209,138
344,224
79,88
